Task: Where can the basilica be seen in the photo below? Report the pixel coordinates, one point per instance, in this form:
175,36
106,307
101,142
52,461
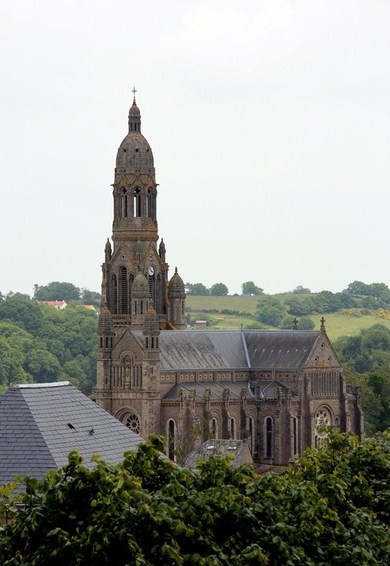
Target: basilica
272,389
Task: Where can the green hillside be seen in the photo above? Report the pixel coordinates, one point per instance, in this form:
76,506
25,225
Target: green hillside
235,311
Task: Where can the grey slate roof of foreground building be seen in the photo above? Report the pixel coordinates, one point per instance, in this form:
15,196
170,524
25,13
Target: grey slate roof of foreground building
226,349
41,423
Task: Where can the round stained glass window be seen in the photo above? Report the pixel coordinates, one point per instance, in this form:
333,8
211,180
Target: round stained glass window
132,422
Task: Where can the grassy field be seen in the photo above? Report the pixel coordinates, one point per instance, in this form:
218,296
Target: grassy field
343,323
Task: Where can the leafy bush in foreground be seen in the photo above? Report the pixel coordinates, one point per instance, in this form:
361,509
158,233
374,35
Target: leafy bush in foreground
331,508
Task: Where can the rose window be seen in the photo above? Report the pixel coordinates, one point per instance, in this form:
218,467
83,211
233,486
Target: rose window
133,423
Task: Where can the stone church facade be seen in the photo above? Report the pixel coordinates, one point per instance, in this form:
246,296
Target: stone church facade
272,388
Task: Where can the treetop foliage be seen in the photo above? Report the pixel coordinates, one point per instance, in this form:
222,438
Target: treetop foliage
41,344
332,507
249,288
366,357
62,291
218,289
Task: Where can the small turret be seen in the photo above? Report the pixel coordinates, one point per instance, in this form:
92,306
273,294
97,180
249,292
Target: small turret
177,296
108,251
140,297
134,117
151,328
162,250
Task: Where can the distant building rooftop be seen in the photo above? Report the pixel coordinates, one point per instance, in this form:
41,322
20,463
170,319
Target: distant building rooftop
59,305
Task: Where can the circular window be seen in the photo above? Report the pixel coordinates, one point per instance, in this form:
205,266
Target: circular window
132,422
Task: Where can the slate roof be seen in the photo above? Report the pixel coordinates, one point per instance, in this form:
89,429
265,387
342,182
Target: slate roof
235,349
41,423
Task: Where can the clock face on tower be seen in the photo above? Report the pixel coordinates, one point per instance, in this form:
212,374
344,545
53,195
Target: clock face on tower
151,270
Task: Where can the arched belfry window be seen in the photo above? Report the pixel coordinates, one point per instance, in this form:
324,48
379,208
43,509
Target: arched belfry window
269,437
149,203
114,295
137,202
124,203
123,291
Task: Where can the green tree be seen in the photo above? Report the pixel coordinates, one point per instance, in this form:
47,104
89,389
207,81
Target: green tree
305,323
42,344
219,289
288,322
299,290
330,508
249,288
366,358
90,297
357,289
270,311
57,291
197,289
20,309
299,306
42,365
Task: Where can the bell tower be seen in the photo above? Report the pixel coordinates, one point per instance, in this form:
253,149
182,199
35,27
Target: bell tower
135,269
138,299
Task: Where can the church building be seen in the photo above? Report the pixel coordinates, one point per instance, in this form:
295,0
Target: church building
274,389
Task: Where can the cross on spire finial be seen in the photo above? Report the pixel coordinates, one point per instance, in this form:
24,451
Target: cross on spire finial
134,91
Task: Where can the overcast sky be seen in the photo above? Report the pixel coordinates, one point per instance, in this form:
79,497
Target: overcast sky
269,123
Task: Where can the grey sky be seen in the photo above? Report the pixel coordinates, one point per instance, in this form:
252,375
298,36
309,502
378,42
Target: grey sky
269,123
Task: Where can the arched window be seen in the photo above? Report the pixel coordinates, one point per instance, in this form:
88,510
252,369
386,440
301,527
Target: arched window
124,203
323,418
171,434
152,288
232,432
251,435
269,438
149,203
124,291
158,294
131,281
213,428
295,435
114,295
137,201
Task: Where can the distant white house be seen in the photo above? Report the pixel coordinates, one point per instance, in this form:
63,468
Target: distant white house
59,305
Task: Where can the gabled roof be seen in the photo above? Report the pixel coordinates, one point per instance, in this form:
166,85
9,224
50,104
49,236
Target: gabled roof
235,349
41,423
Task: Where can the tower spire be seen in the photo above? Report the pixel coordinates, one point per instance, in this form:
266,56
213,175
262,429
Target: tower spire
134,115
134,91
